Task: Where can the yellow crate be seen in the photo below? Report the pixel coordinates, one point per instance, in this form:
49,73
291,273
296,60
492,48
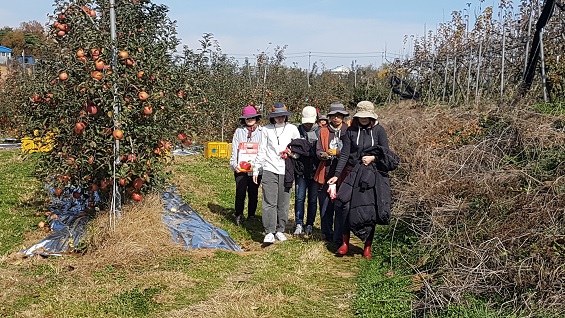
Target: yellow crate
38,144
217,149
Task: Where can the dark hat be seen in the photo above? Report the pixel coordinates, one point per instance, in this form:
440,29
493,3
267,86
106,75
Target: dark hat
322,117
337,108
249,111
279,109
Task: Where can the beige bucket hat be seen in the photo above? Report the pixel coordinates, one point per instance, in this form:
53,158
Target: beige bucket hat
366,109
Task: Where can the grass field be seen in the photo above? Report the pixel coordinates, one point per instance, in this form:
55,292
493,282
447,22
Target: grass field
139,272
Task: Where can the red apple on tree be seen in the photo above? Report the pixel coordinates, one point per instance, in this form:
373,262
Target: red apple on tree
182,136
92,109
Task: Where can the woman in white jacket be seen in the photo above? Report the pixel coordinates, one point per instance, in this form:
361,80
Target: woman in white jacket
271,158
248,132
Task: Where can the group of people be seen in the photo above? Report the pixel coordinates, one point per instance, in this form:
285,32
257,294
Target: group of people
339,167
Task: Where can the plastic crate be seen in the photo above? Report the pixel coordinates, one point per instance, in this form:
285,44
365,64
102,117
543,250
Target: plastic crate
217,149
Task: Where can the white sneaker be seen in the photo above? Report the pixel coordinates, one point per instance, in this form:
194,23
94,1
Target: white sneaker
298,230
269,238
280,236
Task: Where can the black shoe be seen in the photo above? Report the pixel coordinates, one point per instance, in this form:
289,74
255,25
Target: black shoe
239,220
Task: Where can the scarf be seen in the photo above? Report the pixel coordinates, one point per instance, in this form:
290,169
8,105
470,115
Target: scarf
320,175
250,130
324,135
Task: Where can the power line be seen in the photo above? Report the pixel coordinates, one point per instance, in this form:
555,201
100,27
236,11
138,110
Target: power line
316,53
319,55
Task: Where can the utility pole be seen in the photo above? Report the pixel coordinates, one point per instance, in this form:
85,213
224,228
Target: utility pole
355,74
470,55
543,77
528,41
454,77
308,70
503,56
445,79
116,203
478,73
23,63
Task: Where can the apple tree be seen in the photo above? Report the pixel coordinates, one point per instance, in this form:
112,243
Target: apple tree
94,92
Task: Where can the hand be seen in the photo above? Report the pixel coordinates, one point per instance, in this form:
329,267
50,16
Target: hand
332,180
324,155
332,191
285,153
367,160
255,179
236,169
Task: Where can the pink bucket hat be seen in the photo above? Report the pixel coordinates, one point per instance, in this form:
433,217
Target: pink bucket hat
249,112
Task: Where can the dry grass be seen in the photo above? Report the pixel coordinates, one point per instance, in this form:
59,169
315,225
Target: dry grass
112,262
484,190
140,236
246,293
119,266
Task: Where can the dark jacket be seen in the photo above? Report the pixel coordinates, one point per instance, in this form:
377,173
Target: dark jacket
309,161
357,139
295,166
288,172
367,188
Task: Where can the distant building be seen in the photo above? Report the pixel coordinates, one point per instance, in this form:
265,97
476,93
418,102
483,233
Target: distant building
340,70
28,59
5,54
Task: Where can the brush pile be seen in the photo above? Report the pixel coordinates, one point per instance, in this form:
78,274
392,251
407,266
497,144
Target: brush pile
484,191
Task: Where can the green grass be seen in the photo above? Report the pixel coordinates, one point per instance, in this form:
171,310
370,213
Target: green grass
286,279
384,283
16,182
557,108
301,277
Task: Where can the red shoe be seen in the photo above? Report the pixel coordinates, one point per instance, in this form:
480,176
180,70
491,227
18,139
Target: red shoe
342,250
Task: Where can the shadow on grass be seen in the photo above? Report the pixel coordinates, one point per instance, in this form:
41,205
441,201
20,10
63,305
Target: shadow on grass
352,252
224,212
253,225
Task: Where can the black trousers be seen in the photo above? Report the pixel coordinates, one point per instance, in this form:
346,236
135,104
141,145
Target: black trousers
244,186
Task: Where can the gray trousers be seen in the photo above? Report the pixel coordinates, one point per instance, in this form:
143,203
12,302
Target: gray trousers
276,202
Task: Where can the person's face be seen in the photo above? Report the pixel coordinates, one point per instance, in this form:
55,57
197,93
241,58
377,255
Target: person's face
280,119
322,122
250,121
364,121
308,126
336,119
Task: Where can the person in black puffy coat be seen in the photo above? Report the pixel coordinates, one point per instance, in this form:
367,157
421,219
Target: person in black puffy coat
364,198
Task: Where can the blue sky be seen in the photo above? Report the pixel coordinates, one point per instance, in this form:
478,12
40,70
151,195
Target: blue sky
335,32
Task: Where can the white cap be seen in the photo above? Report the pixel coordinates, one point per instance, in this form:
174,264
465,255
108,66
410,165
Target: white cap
309,115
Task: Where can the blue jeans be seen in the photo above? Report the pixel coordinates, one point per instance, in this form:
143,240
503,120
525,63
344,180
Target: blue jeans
331,219
303,185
